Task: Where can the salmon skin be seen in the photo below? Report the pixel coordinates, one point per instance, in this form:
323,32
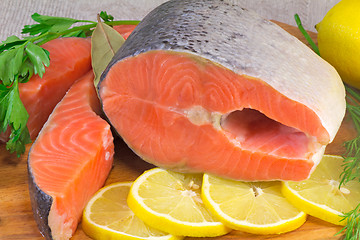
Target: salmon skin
209,86
69,161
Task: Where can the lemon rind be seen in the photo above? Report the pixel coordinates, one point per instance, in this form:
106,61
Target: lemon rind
320,211
165,222
272,228
98,231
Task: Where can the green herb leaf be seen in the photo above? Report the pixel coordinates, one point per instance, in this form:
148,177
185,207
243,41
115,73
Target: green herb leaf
11,39
105,16
39,57
10,62
14,115
18,140
105,42
352,230
26,71
10,93
351,163
48,24
306,35
11,42
80,33
4,103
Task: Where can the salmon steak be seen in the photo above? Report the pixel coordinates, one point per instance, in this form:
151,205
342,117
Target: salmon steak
69,160
208,86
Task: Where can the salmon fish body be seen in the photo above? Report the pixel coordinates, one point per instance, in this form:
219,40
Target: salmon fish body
208,86
69,161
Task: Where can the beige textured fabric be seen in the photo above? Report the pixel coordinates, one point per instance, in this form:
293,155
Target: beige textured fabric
16,13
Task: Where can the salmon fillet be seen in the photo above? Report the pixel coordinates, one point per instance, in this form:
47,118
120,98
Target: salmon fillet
70,58
69,161
124,30
208,86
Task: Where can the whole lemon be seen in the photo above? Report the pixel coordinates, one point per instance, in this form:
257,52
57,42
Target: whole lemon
339,40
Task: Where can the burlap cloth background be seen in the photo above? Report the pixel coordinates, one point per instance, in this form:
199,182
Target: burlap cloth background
16,13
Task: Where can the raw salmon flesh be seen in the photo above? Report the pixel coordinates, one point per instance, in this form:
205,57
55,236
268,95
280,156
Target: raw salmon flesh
124,30
69,161
70,58
72,157
208,86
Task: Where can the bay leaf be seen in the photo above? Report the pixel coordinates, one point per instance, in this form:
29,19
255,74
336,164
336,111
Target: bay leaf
105,42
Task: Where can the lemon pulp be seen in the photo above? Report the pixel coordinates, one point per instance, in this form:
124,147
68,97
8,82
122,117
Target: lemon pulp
171,202
107,216
320,195
254,207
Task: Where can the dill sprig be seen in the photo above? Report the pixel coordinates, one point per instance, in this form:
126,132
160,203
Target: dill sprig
20,59
306,35
352,229
351,162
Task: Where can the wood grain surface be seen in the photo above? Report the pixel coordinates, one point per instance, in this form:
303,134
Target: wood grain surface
16,219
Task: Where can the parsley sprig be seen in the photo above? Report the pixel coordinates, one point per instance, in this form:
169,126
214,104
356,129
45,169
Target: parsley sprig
351,162
21,58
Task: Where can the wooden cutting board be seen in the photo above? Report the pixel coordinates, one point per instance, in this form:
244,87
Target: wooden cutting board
16,219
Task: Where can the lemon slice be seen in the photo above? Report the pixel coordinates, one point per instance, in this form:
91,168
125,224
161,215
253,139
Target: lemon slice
320,195
171,202
254,207
107,216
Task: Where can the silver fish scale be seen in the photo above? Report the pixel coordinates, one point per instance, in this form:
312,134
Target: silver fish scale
190,26
227,34
242,41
